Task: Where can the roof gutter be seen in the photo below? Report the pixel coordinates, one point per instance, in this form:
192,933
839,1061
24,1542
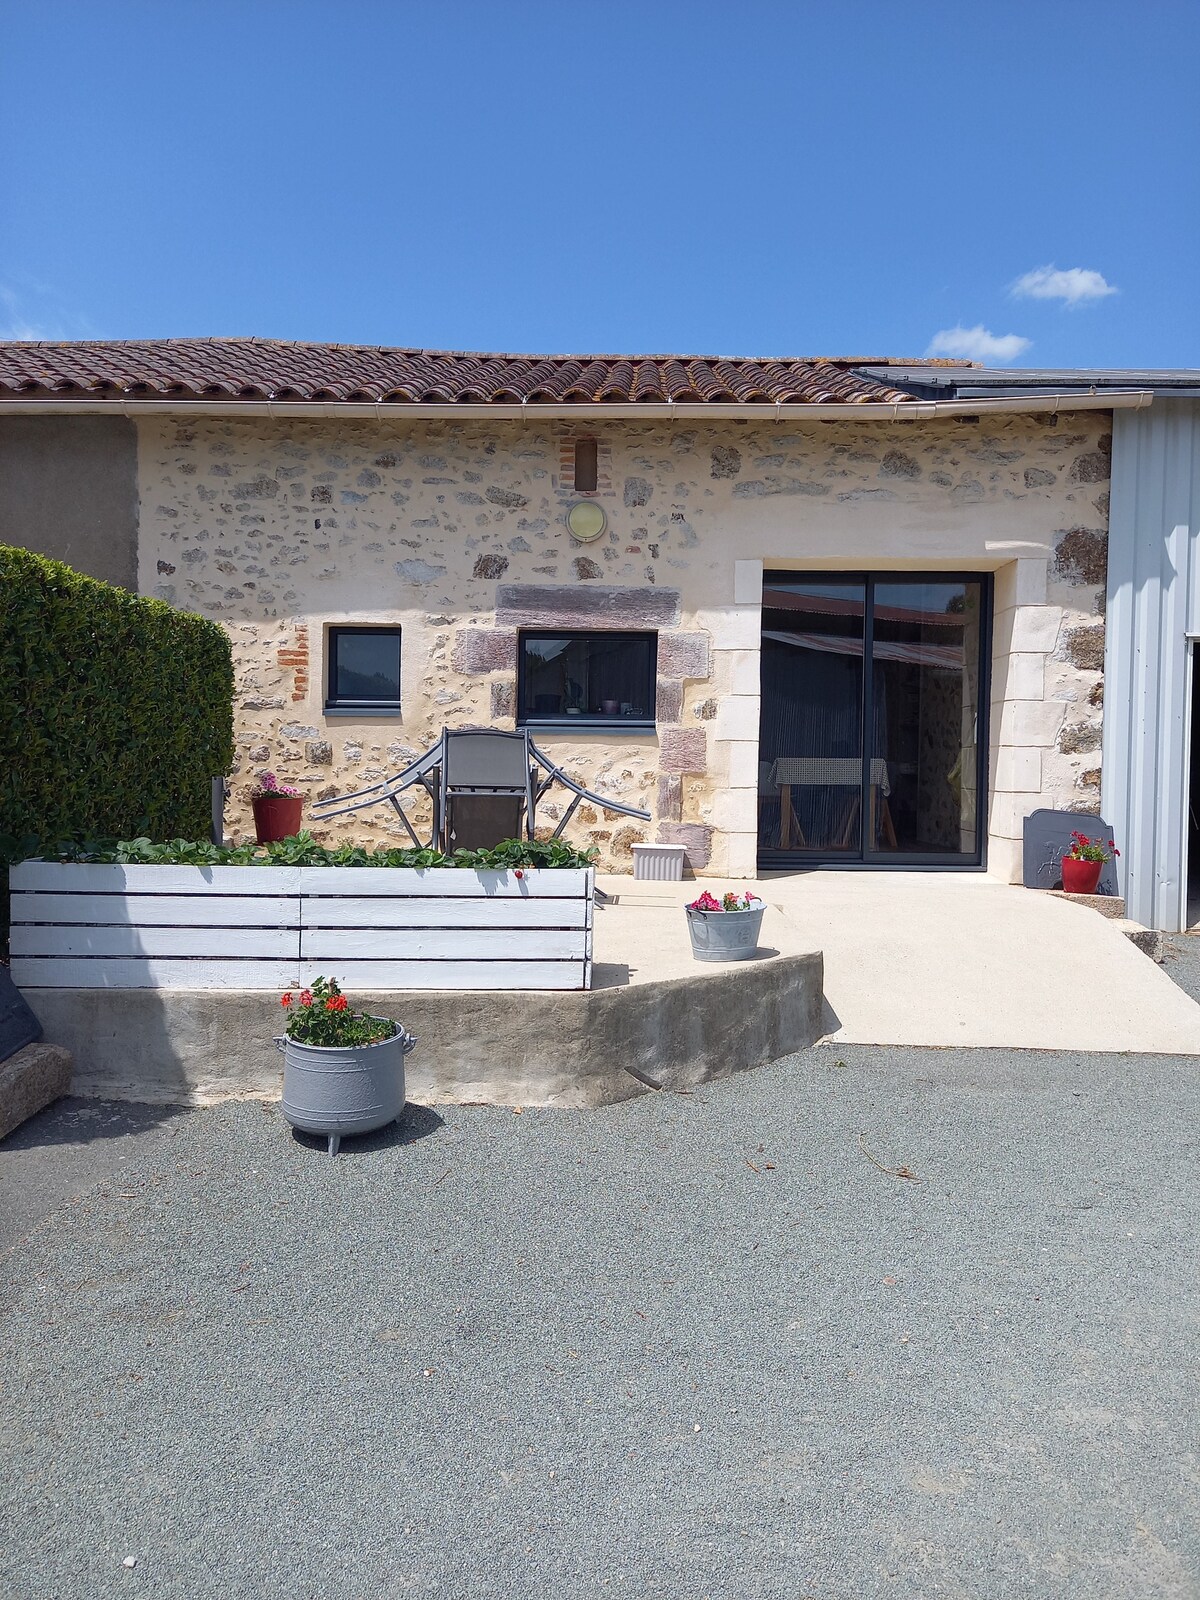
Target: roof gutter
669,411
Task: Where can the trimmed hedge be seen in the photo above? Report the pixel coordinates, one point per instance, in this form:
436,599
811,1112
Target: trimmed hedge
116,712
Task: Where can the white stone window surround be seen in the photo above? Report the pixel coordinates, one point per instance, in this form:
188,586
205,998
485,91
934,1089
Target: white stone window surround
1024,719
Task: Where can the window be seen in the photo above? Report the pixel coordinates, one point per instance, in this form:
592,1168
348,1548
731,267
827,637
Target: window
587,466
572,679
364,669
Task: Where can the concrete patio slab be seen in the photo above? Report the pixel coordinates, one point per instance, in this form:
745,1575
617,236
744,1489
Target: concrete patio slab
928,958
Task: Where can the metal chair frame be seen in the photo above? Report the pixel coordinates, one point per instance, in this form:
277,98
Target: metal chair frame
431,772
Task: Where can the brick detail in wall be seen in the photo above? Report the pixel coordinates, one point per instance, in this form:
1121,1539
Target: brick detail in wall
504,700
668,701
485,650
696,838
670,798
684,655
565,483
683,750
294,659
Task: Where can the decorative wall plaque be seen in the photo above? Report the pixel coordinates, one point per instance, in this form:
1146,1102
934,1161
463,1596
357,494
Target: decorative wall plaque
1047,840
586,521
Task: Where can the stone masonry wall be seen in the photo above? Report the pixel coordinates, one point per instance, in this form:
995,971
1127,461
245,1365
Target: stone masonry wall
455,531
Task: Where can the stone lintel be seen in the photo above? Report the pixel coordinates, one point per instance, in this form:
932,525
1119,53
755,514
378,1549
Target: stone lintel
536,605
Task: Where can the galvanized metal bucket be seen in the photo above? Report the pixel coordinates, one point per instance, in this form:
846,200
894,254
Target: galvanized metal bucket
725,935
339,1091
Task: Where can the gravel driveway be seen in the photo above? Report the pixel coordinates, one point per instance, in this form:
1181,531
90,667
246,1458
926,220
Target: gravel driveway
685,1347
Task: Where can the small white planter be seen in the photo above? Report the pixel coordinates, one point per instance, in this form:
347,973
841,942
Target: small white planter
662,863
337,1091
725,935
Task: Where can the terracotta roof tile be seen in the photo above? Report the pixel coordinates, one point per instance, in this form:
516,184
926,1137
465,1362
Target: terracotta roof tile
267,369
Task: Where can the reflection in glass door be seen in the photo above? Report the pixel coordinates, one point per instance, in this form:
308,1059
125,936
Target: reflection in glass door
903,657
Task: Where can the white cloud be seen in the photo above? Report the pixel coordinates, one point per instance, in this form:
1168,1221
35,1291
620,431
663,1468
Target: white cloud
977,344
12,324
30,310
1074,287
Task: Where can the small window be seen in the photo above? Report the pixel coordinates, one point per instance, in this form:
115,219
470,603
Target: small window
364,669
587,679
587,465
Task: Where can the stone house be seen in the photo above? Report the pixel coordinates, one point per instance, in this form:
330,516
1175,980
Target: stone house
803,612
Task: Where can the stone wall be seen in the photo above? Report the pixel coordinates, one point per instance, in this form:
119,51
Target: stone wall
68,489
455,531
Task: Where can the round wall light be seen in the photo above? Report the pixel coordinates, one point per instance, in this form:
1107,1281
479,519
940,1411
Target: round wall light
586,521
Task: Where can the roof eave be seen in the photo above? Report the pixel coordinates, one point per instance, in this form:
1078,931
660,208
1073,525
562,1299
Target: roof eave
582,412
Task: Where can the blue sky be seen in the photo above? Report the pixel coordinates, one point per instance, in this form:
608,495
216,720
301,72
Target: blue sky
846,177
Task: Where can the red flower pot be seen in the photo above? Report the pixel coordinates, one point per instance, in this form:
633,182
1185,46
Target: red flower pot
1081,877
276,816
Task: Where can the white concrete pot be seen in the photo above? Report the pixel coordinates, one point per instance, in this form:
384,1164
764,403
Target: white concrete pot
725,935
337,1091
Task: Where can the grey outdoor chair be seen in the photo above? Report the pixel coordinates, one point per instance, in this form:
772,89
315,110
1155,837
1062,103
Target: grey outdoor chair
484,785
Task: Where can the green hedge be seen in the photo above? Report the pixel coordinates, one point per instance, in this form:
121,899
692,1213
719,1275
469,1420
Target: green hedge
116,712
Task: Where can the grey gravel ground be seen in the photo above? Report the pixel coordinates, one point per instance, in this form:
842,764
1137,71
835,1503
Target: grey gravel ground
1181,961
67,1148
682,1347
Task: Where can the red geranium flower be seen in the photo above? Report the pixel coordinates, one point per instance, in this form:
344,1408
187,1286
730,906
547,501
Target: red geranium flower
285,1000
306,997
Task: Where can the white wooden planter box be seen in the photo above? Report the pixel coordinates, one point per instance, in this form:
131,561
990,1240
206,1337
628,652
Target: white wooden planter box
151,927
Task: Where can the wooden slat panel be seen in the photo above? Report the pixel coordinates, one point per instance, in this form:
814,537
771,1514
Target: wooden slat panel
337,945
552,883
281,944
66,878
368,976
63,972
405,911
160,910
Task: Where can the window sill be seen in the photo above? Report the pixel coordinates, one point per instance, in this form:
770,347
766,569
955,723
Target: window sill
582,728
361,711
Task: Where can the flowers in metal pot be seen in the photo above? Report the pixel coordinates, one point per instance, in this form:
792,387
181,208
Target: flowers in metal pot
728,902
322,1016
1085,849
269,787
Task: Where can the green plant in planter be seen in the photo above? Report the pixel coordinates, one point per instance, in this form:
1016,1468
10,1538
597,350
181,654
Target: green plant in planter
1085,849
321,1016
301,851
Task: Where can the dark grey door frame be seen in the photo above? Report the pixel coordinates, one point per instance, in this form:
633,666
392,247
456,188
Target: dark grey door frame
891,861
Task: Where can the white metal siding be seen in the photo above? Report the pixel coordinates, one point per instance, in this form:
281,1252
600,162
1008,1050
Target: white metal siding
1153,576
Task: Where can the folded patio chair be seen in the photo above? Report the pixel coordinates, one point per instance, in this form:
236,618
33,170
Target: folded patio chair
484,786
486,789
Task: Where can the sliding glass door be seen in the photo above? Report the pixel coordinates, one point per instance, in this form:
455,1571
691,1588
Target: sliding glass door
873,735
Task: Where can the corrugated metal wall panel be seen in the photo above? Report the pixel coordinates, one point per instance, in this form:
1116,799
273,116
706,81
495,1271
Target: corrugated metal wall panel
1153,567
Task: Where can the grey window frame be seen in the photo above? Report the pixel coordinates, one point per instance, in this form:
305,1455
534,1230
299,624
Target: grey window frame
367,706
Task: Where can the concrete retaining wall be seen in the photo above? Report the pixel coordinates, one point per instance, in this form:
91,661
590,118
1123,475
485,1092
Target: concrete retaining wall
573,1049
